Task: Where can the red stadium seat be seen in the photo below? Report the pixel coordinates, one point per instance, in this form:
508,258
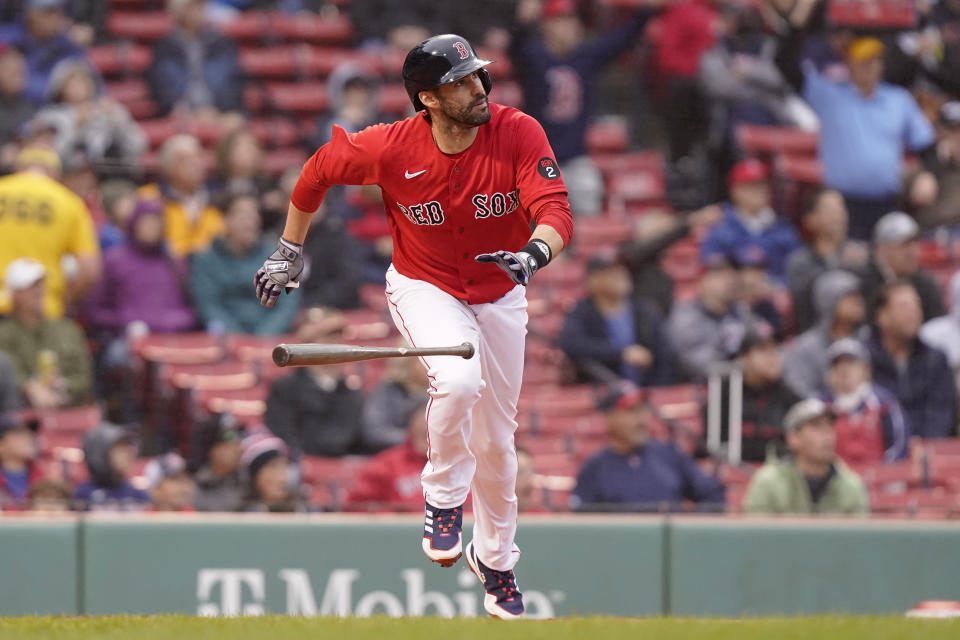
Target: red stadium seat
159,130
275,132
875,14
609,135
799,169
272,62
598,233
765,140
562,401
120,59
501,69
902,473
220,376
75,420
248,26
942,446
507,93
300,98
322,61
180,348
393,99
277,161
315,29
144,26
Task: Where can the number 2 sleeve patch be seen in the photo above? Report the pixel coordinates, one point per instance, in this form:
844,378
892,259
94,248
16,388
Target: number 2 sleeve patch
547,167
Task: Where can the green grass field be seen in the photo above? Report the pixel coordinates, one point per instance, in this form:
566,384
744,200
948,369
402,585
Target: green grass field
284,628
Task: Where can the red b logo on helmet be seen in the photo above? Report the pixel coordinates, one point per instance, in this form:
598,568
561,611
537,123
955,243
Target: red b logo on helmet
462,50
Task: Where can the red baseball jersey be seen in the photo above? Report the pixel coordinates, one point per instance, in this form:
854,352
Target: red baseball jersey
445,209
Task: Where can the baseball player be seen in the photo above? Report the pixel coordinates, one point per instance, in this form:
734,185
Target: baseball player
462,180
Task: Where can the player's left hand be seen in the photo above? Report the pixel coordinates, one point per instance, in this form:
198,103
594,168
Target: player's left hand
520,266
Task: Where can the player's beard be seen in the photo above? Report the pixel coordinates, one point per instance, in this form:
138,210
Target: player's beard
468,116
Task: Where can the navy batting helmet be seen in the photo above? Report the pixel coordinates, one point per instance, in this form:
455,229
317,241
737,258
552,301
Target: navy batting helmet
439,60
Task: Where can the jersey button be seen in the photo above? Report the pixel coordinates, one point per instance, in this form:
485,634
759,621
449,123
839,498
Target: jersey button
456,169
469,281
465,255
456,186
460,230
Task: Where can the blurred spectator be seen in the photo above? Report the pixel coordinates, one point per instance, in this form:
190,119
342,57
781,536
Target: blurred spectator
171,487
749,220
18,451
813,480
655,233
935,192
220,276
862,162
384,420
90,122
610,334
195,67
824,221
526,474
706,330
870,425
266,462
239,160
755,289
372,230
944,332
335,273
109,454
51,224
9,386
43,40
557,70
766,397
50,357
315,411
635,472
15,108
220,485
841,314
390,480
740,78
896,256
49,495
688,29
141,282
399,24
191,220
352,91
917,374
118,197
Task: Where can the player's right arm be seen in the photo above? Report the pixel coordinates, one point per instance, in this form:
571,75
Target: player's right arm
346,159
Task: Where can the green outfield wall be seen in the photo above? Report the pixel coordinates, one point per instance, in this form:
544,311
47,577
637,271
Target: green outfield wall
344,565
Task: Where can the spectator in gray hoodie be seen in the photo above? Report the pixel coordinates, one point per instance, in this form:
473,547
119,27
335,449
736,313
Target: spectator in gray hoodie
841,310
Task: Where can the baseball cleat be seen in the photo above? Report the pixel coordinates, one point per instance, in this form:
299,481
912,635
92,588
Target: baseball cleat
503,598
441,534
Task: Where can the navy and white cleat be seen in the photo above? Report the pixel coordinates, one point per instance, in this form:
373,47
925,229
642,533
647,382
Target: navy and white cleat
441,534
503,598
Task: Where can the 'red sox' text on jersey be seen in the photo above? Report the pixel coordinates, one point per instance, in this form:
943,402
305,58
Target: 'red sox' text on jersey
444,209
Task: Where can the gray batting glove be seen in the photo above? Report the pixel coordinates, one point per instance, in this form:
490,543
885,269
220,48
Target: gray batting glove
282,270
520,266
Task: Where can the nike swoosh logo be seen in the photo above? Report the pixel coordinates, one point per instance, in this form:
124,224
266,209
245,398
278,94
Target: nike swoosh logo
408,175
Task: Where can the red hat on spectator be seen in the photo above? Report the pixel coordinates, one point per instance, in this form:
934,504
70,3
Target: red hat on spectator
558,8
748,171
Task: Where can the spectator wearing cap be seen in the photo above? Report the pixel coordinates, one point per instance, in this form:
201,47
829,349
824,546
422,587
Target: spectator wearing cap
841,313
754,288
194,67
109,453
390,480
50,357
611,334
18,453
707,329
824,220
870,425
316,411
557,68
220,484
384,420
43,40
220,293
895,256
52,226
935,191
266,462
862,162
15,108
917,374
636,472
170,486
50,495
335,272
811,480
766,397
944,332
352,92
749,220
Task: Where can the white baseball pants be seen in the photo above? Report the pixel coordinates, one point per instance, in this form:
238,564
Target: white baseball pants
471,415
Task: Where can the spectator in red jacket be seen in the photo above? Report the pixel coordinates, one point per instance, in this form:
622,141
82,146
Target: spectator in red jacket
391,479
18,450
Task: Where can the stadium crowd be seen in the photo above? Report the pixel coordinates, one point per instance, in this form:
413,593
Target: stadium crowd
767,238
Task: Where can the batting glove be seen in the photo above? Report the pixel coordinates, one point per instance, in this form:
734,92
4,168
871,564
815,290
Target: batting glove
282,270
520,266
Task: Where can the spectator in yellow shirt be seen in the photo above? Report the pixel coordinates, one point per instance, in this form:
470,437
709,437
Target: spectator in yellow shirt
43,220
190,220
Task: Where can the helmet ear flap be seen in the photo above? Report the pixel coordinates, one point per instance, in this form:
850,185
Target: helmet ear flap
485,80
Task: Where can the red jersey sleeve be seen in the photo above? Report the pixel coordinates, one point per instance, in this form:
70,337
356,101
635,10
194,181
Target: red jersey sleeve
540,185
347,159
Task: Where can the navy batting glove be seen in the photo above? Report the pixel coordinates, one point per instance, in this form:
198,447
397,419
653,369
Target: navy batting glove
520,266
282,270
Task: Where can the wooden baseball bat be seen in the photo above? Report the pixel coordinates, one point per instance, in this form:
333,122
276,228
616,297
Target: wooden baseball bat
300,355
